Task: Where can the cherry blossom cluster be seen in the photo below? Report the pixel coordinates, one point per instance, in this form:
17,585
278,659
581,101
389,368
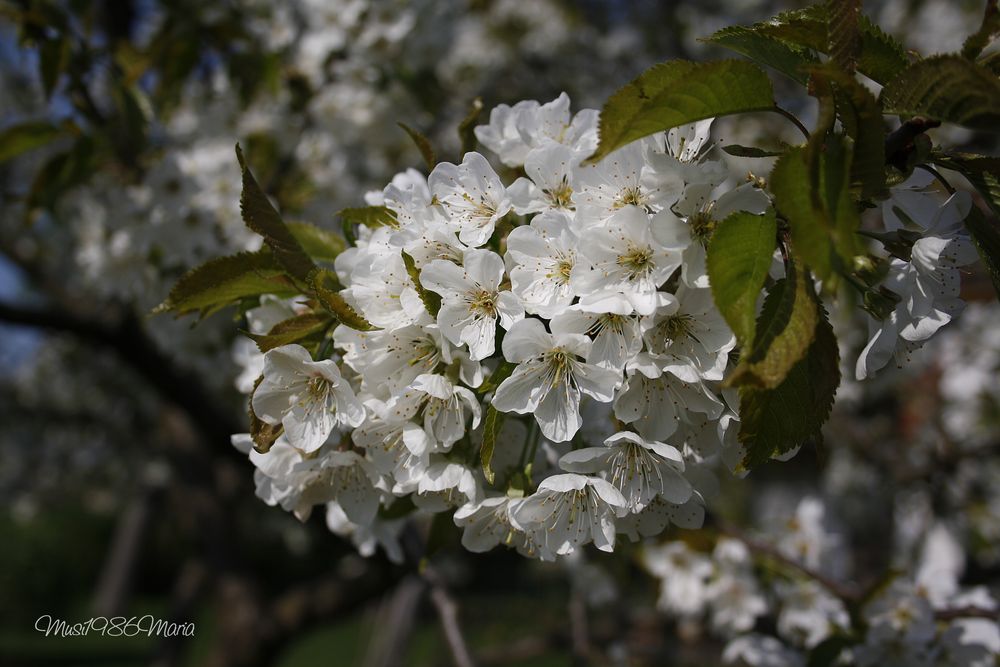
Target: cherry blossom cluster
728,590
582,287
571,301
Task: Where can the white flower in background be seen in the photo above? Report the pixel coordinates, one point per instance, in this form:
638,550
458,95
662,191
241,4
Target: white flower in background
380,287
928,286
399,450
568,511
552,122
487,524
391,359
809,613
502,136
549,186
657,403
297,483
683,575
642,470
687,336
616,336
513,131
309,398
446,484
367,537
473,196
471,300
550,377
408,196
430,240
702,213
685,142
627,260
901,629
761,651
808,537
245,351
541,256
441,403
630,176
734,593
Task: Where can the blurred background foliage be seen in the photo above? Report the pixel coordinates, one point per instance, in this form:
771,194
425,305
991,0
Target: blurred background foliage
120,491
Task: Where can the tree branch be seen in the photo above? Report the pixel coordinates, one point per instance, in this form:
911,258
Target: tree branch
447,610
126,337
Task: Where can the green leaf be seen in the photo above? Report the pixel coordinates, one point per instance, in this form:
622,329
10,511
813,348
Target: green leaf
27,136
431,300
224,281
261,217
789,59
986,235
750,151
491,429
369,216
262,434
63,171
982,171
53,59
861,116
679,92
292,330
811,190
989,29
320,244
467,128
991,62
423,145
948,88
128,127
739,256
775,421
881,56
784,332
844,33
335,303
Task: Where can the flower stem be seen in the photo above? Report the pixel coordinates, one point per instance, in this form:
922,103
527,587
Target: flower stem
792,117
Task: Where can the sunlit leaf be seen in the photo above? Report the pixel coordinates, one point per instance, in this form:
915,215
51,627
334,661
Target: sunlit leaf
775,421
739,256
784,331
678,92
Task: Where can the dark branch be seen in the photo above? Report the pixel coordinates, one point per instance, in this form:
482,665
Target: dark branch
130,342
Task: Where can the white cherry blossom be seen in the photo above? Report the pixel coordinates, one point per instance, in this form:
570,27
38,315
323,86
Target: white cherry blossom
549,185
616,336
473,196
471,300
687,336
550,377
640,469
443,405
627,260
309,398
568,511
542,256
630,176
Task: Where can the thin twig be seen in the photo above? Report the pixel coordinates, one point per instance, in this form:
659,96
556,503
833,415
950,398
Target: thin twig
846,592
447,610
792,117
936,174
967,612
579,632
